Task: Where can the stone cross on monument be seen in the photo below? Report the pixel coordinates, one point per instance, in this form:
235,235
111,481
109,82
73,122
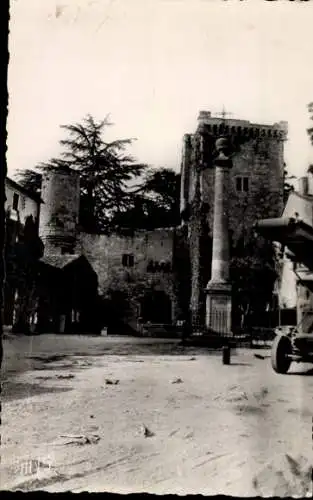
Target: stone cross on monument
223,114
219,298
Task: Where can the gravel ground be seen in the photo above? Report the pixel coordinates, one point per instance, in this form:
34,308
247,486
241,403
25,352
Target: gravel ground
145,415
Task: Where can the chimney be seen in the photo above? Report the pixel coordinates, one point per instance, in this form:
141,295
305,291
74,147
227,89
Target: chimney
303,185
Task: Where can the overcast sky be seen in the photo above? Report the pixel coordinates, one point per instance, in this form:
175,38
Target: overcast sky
153,65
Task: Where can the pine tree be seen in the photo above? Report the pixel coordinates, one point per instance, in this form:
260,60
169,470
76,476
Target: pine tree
106,172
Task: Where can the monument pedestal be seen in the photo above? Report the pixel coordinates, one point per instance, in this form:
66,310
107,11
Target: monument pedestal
218,307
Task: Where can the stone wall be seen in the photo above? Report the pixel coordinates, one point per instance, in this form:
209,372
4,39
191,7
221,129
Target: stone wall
133,265
262,165
182,271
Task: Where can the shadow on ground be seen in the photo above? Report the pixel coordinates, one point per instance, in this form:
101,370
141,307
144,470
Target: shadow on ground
12,390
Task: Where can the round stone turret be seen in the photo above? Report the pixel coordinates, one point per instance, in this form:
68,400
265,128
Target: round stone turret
59,211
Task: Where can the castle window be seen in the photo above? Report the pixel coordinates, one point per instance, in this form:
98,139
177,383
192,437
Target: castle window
128,260
15,201
242,184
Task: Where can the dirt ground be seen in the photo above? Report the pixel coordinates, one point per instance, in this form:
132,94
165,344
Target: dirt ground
144,415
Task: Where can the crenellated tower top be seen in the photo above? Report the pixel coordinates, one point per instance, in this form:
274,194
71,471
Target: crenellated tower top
243,128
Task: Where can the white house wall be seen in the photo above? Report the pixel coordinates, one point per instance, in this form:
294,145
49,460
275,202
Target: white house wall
299,206
26,205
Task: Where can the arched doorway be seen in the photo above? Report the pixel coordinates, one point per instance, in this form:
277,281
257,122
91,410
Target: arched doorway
68,295
156,307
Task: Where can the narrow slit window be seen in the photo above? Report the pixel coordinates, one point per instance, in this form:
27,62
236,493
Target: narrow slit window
245,184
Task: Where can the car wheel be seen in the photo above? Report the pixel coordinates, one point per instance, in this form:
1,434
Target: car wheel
280,356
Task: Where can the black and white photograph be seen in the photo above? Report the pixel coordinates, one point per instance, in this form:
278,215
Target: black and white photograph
157,260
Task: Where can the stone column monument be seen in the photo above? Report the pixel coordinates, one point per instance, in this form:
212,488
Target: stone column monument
219,299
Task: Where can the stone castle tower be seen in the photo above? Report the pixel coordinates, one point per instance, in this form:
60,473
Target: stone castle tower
60,210
255,188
